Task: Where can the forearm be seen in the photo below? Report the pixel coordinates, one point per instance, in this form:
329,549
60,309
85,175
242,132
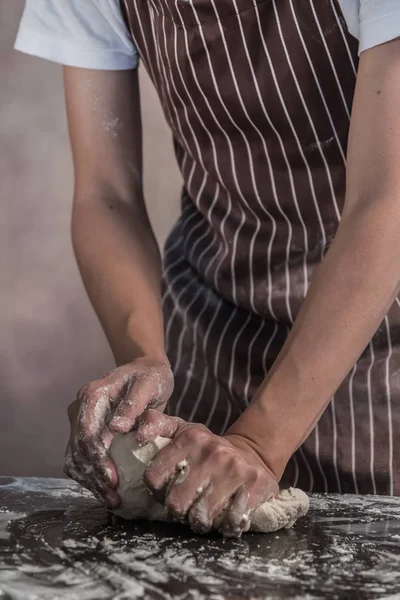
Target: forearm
113,241
351,292
120,264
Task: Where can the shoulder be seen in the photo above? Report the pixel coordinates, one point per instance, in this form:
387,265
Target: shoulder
80,33
373,22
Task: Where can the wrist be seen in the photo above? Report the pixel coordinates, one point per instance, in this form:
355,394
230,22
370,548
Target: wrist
274,423
253,426
139,340
139,334
243,441
284,411
132,352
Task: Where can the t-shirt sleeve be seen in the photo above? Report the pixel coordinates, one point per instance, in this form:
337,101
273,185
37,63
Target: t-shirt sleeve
80,33
379,22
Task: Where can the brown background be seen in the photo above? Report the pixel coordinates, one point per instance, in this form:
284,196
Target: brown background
50,342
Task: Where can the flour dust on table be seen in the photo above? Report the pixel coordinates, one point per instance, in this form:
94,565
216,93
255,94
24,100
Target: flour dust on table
131,461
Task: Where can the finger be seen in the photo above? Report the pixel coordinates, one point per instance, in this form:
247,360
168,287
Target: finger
183,490
217,521
198,515
147,390
225,481
97,400
237,517
93,460
98,465
107,438
91,420
210,506
78,469
71,469
257,489
94,475
95,406
164,466
152,424
69,466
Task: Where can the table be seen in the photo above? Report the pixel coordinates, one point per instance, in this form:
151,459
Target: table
57,542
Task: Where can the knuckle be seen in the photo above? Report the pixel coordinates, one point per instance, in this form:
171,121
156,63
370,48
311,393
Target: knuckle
189,434
168,380
93,390
221,453
110,374
83,393
235,467
261,484
195,434
257,478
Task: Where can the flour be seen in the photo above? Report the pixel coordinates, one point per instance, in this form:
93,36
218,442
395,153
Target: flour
109,121
131,461
67,548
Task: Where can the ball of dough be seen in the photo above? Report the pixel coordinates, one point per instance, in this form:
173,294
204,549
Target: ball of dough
131,461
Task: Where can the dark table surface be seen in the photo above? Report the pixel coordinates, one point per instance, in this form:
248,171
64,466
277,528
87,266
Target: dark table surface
56,542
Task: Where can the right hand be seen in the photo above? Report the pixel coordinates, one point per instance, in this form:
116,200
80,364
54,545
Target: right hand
107,406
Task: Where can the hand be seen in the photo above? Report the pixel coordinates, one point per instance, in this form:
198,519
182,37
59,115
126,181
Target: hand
209,481
107,406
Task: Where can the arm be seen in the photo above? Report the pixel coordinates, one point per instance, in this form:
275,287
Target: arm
120,265
350,294
356,283
114,244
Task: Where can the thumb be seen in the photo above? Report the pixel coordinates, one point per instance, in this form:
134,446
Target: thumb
144,392
127,411
152,424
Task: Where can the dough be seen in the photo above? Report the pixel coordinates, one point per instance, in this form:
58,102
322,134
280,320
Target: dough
137,503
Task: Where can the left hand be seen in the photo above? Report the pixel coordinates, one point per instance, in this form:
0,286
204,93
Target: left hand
209,481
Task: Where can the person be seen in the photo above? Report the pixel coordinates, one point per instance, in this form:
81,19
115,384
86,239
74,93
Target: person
271,352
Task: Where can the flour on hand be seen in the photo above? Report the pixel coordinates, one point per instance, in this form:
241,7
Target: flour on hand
131,461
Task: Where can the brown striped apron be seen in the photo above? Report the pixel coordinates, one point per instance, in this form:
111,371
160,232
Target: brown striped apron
258,95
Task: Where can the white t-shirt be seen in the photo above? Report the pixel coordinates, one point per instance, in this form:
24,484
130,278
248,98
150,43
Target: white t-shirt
92,33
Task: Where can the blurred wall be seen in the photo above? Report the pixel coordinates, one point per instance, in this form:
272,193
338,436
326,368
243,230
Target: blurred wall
50,342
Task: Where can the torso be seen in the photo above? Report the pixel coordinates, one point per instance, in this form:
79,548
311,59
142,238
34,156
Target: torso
258,96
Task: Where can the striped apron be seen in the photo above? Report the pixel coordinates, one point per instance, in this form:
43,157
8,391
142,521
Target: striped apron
258,94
